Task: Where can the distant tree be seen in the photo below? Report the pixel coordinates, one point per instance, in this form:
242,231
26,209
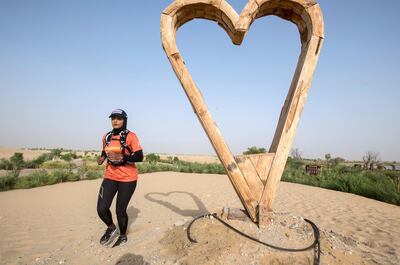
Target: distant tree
328,158
56,152
370,159
296,153
17,160
337,160
254,150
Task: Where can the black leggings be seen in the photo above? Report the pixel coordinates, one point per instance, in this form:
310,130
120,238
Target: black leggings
106,194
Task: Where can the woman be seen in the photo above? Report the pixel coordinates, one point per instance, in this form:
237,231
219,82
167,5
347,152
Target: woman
121,149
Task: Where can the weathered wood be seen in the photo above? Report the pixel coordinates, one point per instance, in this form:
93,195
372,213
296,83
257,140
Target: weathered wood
214,135
261,163
248,174
264,214
290,117
251,176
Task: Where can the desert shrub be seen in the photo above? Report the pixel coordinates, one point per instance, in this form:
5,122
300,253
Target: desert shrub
8,181
194,167
95,166
147,167
56,152
42,178
294,163
92,174
35,179
37,162
90,158
337,160
17,160
254,150
372,184
69,156
152,158
5,164
58,164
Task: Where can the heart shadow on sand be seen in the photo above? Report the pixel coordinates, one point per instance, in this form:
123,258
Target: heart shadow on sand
201,209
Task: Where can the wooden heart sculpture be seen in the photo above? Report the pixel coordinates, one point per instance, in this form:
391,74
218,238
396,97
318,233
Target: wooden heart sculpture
254,177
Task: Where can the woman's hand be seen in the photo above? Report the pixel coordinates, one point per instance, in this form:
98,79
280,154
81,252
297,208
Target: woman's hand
100,160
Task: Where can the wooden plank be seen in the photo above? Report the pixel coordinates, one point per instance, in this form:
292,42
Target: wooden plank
263,165
264,214
251,176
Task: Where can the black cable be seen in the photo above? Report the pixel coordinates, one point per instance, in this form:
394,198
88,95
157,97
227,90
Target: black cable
316,244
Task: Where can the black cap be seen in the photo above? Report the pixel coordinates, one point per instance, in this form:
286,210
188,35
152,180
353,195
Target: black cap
118,113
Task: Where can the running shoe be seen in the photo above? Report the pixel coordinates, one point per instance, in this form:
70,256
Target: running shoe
122,239
108,234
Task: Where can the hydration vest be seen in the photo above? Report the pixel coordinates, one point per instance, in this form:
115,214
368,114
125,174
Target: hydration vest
122,140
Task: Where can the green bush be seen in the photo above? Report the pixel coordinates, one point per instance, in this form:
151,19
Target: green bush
372,184
152,158
181,166
42,178
69,156
5,164
58,164
254,150
90,158
294,163
91,174
37,162
17,160
35,179
8,181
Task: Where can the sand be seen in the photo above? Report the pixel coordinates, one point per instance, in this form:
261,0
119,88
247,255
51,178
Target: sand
7,152
58,224
193,158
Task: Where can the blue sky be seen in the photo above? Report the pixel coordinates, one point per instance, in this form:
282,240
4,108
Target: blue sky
65,65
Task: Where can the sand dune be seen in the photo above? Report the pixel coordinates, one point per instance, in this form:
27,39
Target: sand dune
59,225
7,152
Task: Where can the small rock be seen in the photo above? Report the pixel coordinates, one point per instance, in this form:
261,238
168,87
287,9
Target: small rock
179,223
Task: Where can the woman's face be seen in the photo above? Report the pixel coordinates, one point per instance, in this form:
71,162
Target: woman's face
117,122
